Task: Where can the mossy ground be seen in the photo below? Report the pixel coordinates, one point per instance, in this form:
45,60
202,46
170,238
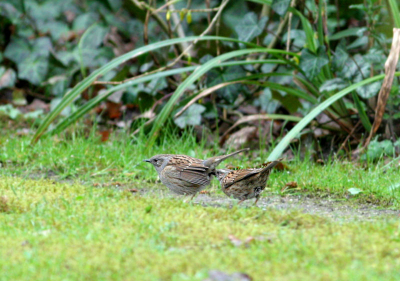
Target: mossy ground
76,225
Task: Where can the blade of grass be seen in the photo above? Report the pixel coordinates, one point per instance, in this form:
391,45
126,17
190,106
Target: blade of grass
310,39
85,83
166,111
102,96
361,112
395,12
284,143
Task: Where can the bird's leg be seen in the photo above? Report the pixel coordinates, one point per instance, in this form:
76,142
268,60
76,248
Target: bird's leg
241,201
255,203
191,198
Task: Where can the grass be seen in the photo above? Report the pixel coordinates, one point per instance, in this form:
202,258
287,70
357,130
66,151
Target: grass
63,218
64,231
87,159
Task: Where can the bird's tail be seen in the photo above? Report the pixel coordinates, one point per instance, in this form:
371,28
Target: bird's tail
213,162
271,165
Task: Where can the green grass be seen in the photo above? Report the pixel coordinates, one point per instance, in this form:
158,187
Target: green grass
63,218
67,231
87,159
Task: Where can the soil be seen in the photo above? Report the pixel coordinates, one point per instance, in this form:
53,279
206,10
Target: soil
331,208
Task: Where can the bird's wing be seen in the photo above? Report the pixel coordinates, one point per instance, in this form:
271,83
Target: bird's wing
191,170
238,175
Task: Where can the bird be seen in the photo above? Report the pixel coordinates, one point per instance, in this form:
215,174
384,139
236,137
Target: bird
245,183
186,175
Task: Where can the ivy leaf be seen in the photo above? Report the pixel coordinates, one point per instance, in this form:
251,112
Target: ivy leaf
250,27
10,12
370,90
95,38
280,6
17,50
192,116
217,76
84,21
341,56
42,47
333,84
312,63
33,69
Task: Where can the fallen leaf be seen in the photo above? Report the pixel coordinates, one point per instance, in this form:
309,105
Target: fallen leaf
114,110
133,190
235,241
104,135
354,191
241,137
204,192
289,185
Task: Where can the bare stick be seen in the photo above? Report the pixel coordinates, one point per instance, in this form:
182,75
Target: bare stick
390,69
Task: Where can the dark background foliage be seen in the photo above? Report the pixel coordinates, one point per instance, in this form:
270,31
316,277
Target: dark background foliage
48,47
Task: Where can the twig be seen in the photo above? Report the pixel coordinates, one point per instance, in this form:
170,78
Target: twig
223,4
142,5
390,68
349,136
191,10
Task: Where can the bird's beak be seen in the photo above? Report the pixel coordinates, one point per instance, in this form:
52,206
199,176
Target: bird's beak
147,160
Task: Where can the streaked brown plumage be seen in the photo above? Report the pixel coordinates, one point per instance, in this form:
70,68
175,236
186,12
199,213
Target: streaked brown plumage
245,184
186,175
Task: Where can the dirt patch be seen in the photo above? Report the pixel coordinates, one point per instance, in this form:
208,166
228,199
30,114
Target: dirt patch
327,207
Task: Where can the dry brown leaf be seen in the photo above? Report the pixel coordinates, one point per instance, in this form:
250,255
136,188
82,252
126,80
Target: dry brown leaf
289,185
104,135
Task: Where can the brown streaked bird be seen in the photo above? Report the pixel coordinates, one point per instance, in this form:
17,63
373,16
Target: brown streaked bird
245,184
186,175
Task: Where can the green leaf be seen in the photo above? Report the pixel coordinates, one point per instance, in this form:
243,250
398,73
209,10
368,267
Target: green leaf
266,102
359,42
218,76
280,6
57,29
10,12
369,91
41,47
17,50
356,31
250,27
312,63
341,56
333,84
84,21
33,69
192,116
10,111
262,2
95,37
311,44
394,9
